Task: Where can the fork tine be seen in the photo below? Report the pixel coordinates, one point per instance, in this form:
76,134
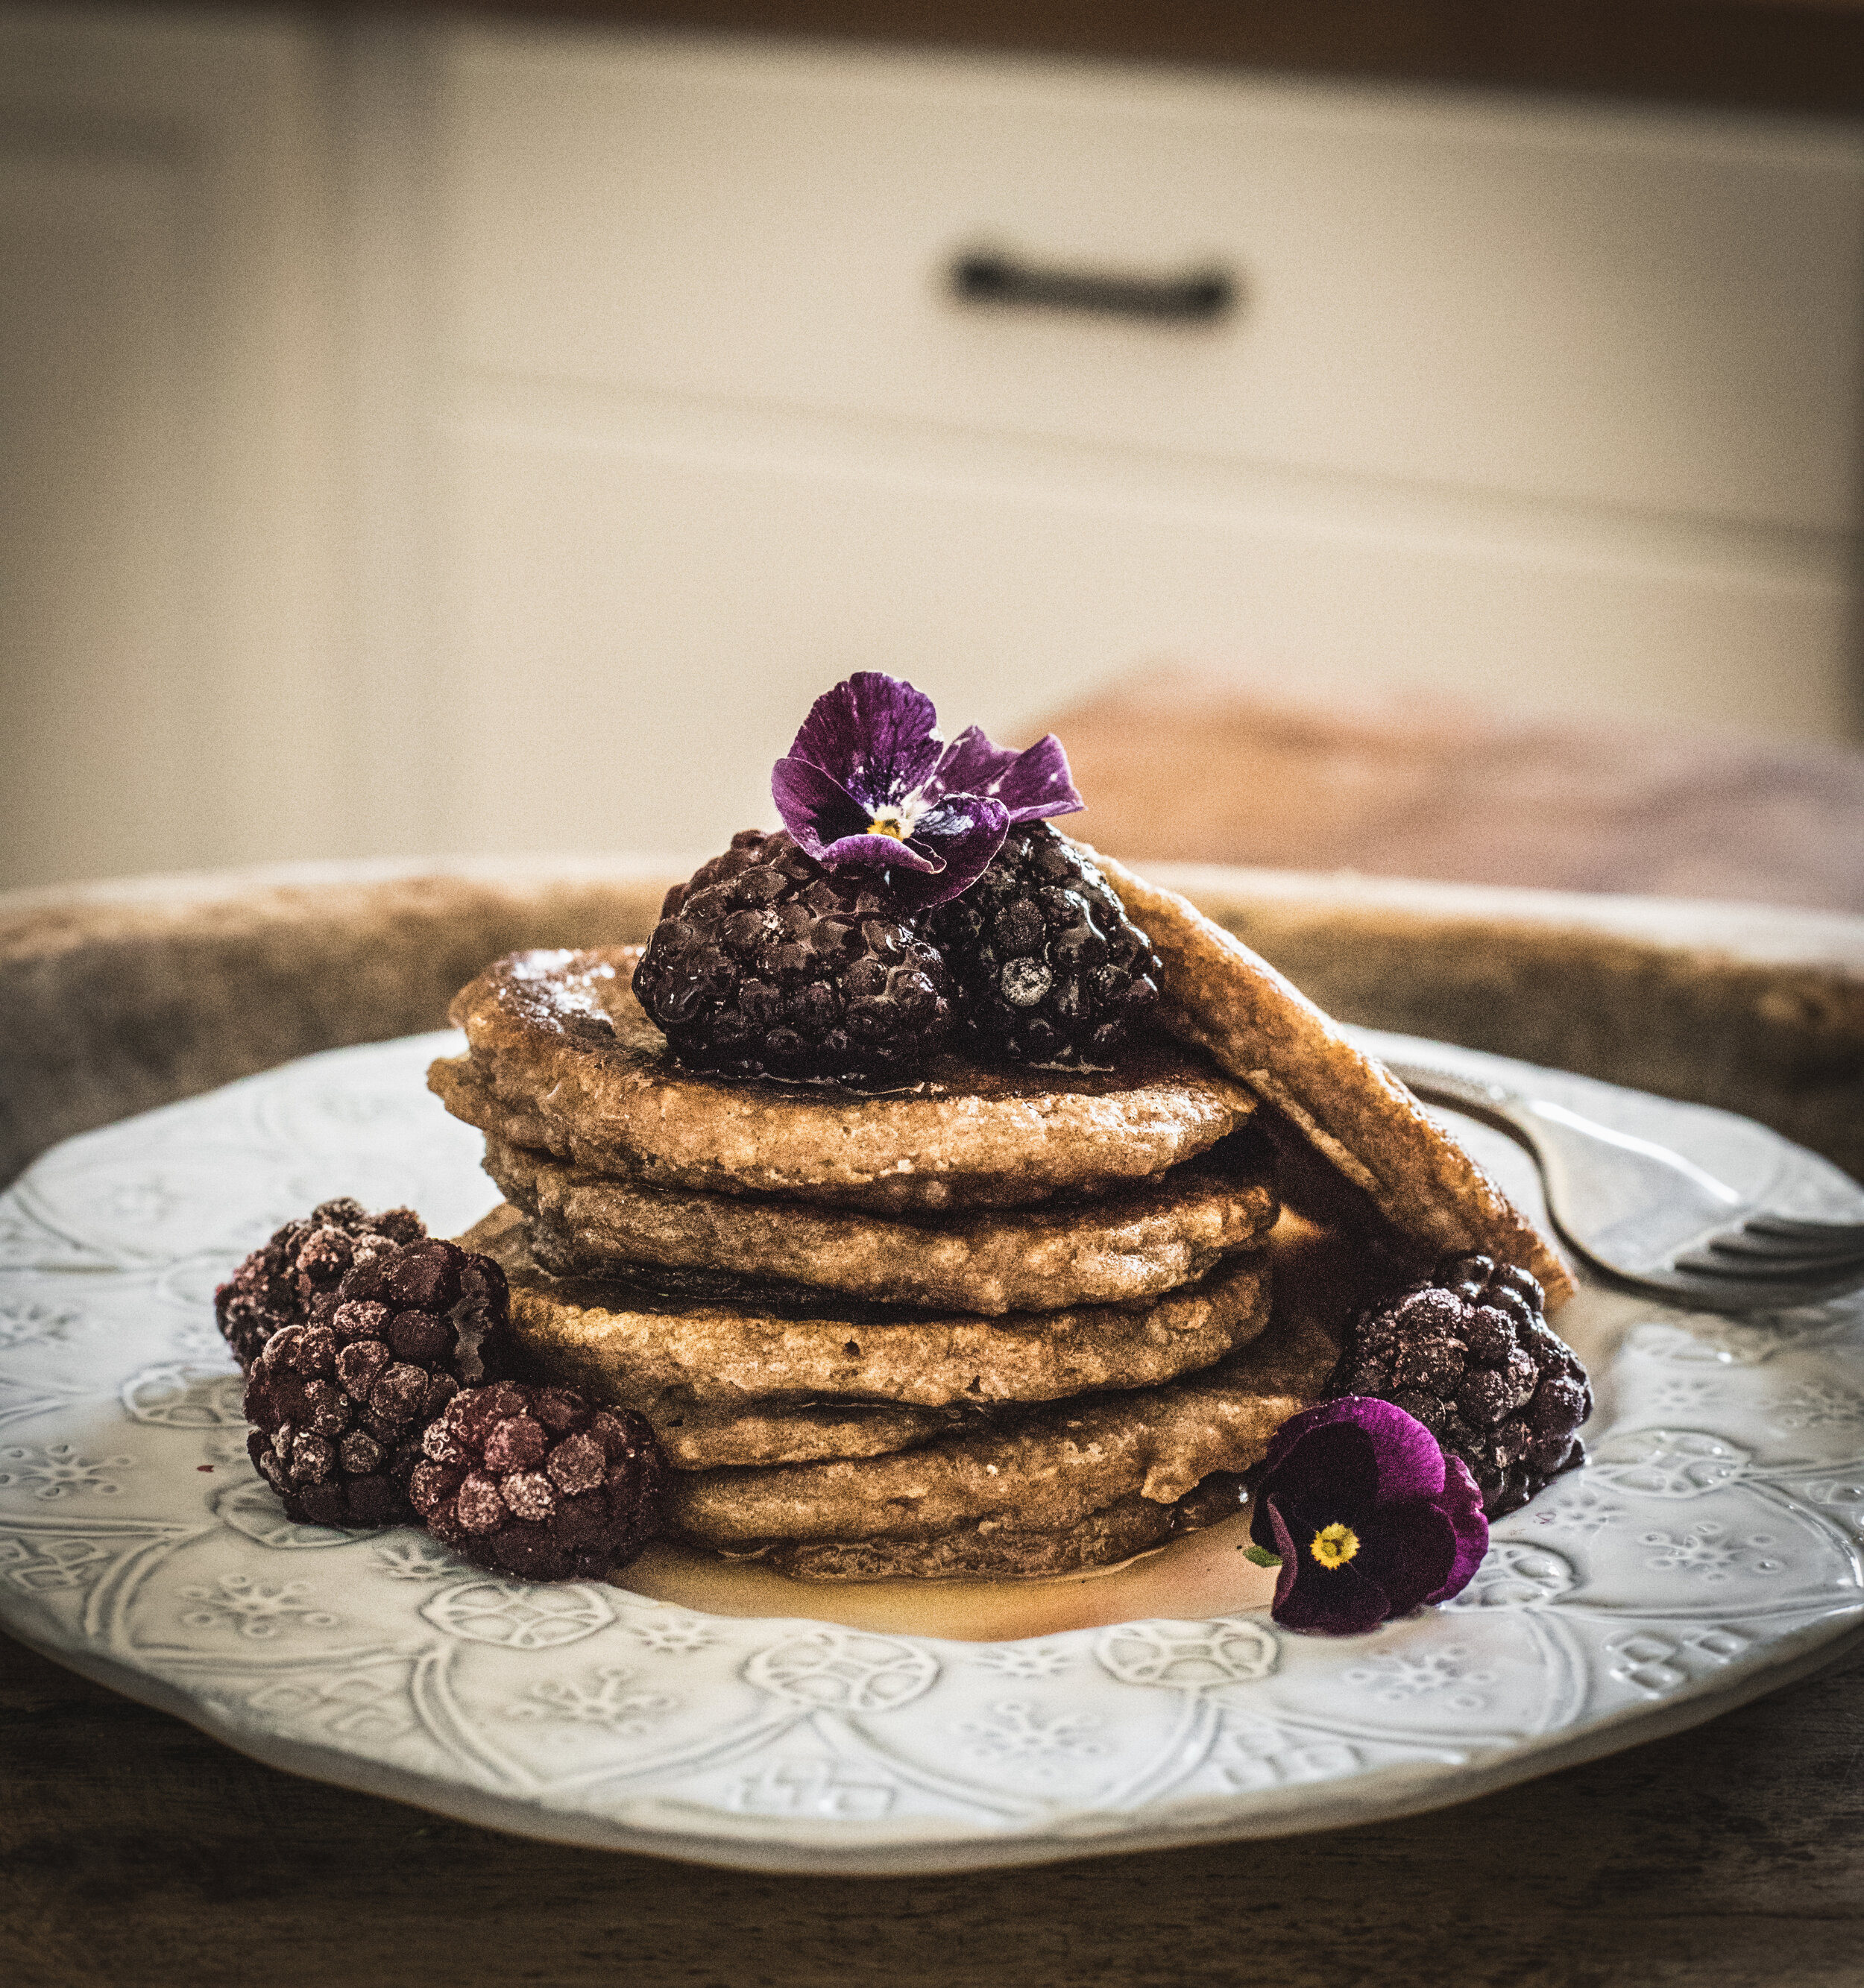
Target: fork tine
1723,1293
1792,1227
1768,1271
1743,1243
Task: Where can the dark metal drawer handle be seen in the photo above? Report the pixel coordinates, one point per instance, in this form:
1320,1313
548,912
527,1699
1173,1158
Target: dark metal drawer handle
989,276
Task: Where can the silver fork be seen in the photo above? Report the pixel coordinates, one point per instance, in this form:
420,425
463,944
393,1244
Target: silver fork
1653,1217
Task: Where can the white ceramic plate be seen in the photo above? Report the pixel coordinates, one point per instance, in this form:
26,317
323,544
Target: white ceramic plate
1709,1552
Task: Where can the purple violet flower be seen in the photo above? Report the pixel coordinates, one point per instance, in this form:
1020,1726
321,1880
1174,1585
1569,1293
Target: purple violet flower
1368,1516
869,784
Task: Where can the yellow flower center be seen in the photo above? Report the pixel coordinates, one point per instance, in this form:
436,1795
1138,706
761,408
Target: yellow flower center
887,824
1334,1545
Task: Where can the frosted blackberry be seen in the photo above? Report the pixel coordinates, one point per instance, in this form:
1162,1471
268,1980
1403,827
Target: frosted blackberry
338,1405
1048,967
535,1483
278,1284
1467,1351
765,964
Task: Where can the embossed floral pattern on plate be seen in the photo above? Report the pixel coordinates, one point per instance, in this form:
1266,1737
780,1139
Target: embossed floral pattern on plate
1712,1546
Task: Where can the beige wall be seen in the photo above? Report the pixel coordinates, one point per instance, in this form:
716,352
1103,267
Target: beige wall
457,438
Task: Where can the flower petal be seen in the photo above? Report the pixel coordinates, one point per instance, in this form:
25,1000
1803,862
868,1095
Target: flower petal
1409,1549
1277,1536
1460,1502
877,736
1031,784
831,825
816,808
1324,1600
1409,1458
1291,1432
1330,1464
954,816
883,852
965,839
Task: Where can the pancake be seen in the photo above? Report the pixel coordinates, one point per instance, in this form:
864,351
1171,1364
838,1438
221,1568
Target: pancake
724,1345
1375,1135
562,1059
1137,1243
987,1550
783,1432
1055,1468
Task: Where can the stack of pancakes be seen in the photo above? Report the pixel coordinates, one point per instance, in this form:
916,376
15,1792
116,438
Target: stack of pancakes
1009,1322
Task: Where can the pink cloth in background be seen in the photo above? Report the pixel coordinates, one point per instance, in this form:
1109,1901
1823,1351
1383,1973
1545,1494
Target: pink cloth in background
1183,766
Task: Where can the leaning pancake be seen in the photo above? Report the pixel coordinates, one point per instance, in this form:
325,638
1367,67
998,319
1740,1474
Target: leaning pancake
1136,1244
1261,1028
728,1348
1056,1467
562,1059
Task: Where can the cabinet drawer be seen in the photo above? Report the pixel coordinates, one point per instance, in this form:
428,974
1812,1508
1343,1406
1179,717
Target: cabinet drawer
1637,308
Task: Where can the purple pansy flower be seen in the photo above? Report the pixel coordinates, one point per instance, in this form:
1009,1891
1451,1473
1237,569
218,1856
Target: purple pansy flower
1368,1516
870,784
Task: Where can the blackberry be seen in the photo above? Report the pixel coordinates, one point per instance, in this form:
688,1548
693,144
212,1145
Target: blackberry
1467,1351
534,1481
765,964
278,1284
1049,968
338,1405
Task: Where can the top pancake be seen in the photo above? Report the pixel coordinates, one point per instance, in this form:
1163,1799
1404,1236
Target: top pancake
1261,1028
564,1059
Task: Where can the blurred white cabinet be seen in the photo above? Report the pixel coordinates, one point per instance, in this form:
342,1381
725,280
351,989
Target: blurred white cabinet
1642,310
167,590
1554,405
426,434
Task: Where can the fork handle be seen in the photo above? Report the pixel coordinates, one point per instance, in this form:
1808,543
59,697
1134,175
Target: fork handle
1493,1103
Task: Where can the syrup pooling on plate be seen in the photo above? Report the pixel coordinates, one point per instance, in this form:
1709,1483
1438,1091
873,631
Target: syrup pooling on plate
1203,1574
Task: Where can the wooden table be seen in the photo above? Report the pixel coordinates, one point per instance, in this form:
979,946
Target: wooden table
136,1850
